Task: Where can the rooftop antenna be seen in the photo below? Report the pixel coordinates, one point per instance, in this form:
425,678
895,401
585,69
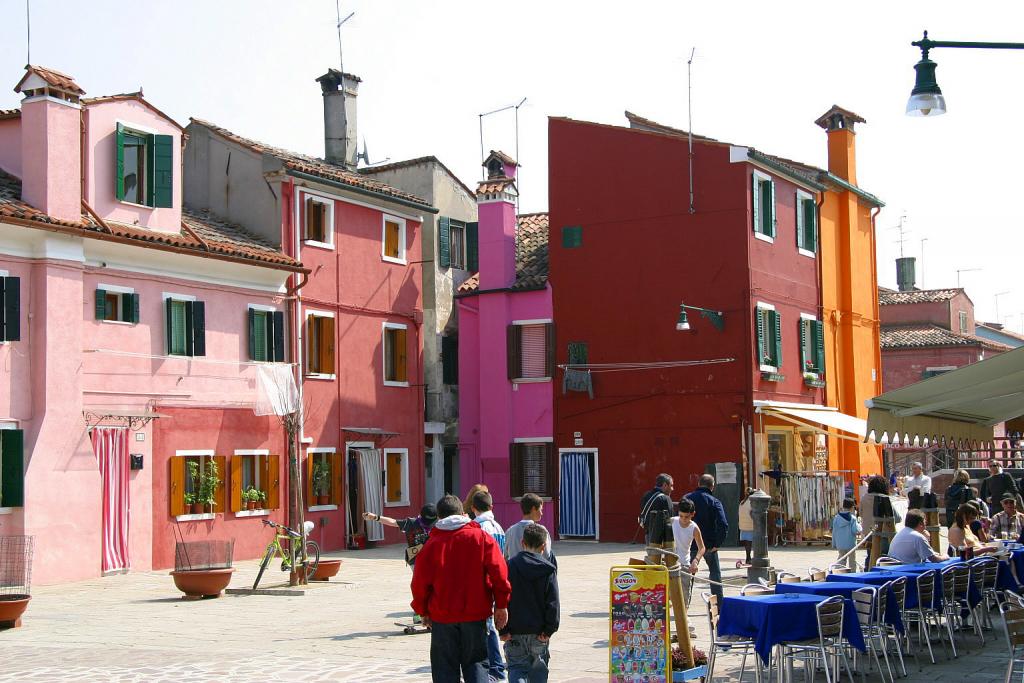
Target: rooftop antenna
964,270
337,8
689,117
483,172
903,232
923,240
365,156
28,32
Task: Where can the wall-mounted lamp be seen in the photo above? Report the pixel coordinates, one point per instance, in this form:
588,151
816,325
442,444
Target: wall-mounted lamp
717,318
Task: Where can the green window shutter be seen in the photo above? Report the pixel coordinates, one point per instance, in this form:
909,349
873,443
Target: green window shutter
450,359
755,193
777,349
818,329
578,353
811,225
472,247
260,338
10,329
177,327
252,335
801,238
277,336
444,249
119,168
133,306
101,304
198,336
770,212
802,324
12,468
572,237
161,185
761,346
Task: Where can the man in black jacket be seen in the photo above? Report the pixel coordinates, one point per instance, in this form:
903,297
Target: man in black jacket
997,484
710,519
532,611
656,512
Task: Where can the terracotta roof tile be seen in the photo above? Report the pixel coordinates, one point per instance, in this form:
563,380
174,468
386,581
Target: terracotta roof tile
316,167
10,114
531,255
52,77
221,237
887,297
924,335
493,185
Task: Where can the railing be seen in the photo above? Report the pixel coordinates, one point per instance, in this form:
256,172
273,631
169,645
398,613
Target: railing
1007,451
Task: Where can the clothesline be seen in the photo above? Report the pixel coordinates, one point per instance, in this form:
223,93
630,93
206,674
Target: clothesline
654,365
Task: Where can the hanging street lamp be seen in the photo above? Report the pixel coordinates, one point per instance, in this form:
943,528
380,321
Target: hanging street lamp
926,98
717,318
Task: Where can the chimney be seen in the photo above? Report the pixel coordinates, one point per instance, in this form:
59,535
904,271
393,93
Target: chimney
340,143
905,275
51,121
496,215
842,157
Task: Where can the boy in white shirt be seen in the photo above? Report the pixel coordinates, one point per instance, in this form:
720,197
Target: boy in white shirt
685,535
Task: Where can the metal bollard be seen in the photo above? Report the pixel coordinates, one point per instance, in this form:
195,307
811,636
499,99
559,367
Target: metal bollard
759,564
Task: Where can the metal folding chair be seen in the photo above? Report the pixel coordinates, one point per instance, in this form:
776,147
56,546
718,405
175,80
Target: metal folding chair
984,572
870,605
786,577
925,615
839,569
816,574
756,589
898,589
1014,598
729,644
828,644
1013,626
956,586
886,561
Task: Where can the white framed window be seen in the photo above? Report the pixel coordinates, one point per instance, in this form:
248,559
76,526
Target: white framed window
769,337
531,351
323,478
396,354
317,219
393,239
763,206
184,325
266,333
806,224
320,360
457,243
812,346
964,326
396,477
533,467
116,304
188,467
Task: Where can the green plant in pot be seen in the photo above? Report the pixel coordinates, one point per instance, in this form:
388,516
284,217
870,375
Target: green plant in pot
208,481
192,502
322,482
252,497
191,506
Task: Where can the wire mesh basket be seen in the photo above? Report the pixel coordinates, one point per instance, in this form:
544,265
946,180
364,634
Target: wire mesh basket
196,555
15,567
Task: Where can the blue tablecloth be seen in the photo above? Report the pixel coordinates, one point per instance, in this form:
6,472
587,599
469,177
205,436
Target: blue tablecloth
881,577
973,595
773,619
846,589
1005,579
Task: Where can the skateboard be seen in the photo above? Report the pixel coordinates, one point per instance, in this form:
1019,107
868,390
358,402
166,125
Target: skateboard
412,629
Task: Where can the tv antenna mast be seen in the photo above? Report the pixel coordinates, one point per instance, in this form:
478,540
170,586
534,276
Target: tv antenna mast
903,232
337,8
689,117
483,174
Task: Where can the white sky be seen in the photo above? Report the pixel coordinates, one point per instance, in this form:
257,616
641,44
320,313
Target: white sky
761,75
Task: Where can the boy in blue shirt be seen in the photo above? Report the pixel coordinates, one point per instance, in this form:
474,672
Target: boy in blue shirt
845,527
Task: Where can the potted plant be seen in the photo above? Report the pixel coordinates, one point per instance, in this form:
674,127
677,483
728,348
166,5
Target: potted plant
208,481
681,671
322,482
252,497
261,497
191,506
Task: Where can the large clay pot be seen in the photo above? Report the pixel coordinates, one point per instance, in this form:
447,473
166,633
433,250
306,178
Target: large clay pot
11,609
323,500
196,508
326,569
202,583
207,508
250,505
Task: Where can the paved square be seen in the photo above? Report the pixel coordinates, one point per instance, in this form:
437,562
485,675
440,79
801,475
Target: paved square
136,627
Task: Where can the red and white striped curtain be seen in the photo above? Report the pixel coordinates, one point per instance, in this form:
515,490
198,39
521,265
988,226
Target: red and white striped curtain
111,447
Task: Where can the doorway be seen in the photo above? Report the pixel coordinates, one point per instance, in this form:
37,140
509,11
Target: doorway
363,492
451,469
577,493
110,445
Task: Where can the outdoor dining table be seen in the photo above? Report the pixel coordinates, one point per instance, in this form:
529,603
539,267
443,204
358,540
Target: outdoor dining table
973,594
878,578
774,619
845,588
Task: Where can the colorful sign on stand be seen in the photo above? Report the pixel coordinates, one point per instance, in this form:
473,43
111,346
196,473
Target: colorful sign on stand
638,638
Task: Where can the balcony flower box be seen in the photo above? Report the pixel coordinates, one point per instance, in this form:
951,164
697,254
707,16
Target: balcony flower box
769,376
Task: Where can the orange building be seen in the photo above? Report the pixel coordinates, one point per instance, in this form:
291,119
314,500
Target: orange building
849,285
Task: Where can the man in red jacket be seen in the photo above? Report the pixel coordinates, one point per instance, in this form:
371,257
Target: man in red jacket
459,575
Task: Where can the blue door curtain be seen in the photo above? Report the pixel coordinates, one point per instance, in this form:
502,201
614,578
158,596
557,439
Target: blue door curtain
576,496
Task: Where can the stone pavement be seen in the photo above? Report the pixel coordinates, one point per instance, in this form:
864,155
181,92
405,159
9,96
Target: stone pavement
136,628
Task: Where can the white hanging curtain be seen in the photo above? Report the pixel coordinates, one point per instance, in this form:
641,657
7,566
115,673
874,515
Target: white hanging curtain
373,493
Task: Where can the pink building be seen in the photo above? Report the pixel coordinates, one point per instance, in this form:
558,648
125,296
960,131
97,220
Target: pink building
506,354
358,321
130,340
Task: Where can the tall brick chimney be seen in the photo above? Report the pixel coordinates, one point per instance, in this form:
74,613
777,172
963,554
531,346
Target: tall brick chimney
496,211
842,148
51,154
340,142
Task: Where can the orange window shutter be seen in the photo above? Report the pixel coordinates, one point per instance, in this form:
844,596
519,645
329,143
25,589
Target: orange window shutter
401,356
273,478
337,479
309,217
391,239
394,477
177,486
236,483
310,461
221,496
327,346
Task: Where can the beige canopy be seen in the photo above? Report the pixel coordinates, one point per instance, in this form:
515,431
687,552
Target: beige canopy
959,407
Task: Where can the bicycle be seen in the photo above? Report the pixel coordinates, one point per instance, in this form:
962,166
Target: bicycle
309,555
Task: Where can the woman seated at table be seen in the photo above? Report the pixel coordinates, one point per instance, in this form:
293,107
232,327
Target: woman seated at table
980,526
911,544
960,534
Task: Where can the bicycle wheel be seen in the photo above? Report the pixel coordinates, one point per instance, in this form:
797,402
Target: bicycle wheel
312,558
263,565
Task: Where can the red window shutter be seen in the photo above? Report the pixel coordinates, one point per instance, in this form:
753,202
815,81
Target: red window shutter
515,460
512,342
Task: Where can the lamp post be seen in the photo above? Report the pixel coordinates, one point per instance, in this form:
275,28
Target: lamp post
926,98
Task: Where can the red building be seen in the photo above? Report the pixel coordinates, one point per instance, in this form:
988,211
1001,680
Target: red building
629,244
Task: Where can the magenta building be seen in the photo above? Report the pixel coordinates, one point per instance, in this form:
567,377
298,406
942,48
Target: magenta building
506,359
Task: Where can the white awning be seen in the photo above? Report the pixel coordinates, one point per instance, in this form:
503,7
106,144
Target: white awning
959,407
810,416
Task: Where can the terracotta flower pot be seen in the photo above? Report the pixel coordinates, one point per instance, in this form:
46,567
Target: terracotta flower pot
326,569
196,509
202,583
323,500
207,508
250,505
12,607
